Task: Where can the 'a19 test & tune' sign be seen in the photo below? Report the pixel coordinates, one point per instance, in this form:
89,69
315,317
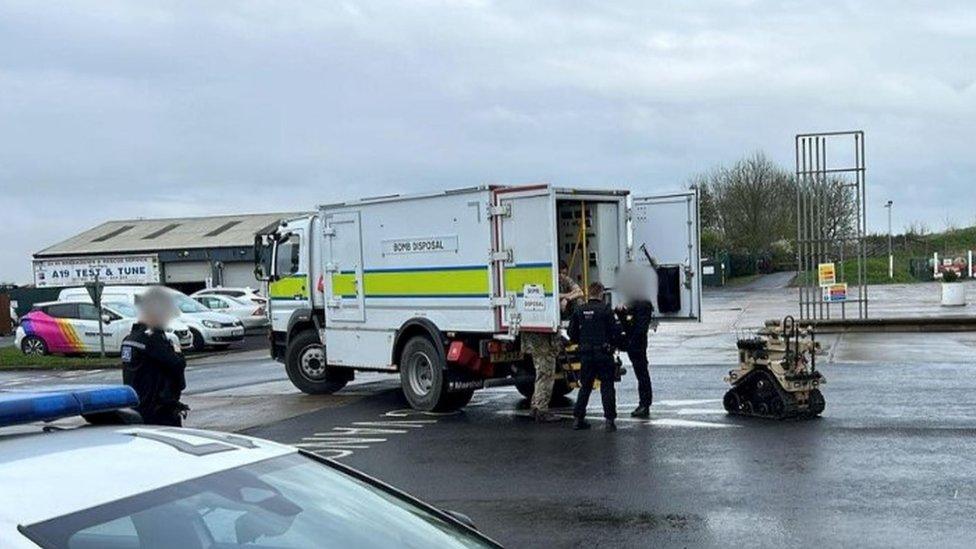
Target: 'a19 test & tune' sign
129,269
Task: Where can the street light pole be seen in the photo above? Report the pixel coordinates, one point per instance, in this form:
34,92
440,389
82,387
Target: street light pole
891,257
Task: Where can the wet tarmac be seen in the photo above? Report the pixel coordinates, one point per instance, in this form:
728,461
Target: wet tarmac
890,463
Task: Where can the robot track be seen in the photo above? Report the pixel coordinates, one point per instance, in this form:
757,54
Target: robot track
758,394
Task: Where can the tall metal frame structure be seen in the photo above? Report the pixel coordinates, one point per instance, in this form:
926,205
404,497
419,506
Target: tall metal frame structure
819,242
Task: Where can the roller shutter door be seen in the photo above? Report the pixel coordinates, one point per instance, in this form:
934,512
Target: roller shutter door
239,274
190,271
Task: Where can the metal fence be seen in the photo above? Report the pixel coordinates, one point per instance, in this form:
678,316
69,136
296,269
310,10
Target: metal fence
831,217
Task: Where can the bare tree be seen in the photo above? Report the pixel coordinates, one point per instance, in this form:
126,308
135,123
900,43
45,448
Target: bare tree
837,213
754,203
707,206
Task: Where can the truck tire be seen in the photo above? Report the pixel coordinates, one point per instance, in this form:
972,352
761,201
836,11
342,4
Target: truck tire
307,369
560,388
422,375
456,400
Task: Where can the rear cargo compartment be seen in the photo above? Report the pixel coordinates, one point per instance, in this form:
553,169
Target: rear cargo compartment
590,239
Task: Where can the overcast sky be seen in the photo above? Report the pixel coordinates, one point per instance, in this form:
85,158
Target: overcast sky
115,110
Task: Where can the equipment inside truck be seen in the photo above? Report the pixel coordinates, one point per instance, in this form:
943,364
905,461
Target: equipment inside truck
588,233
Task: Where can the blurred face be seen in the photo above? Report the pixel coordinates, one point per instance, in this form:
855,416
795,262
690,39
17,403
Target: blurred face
632,282
564,270
157,308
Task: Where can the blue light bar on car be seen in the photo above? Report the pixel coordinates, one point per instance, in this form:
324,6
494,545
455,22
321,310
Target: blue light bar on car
18,407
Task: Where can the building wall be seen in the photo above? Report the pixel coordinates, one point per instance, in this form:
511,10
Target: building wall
239,274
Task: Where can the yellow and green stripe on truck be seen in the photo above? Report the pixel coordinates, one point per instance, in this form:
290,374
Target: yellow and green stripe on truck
440,282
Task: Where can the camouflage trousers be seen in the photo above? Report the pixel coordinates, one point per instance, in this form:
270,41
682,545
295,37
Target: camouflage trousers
544,349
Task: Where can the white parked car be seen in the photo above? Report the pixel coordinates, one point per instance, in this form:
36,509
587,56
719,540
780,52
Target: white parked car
128,312
245,294
72,327
115,486
249,313
209,328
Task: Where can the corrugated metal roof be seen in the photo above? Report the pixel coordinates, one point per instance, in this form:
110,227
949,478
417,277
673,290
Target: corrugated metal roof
147,235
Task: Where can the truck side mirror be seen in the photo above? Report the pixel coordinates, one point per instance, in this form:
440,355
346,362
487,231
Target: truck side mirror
264,257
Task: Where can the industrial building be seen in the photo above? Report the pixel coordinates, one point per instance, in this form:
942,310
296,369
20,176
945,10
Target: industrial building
188,253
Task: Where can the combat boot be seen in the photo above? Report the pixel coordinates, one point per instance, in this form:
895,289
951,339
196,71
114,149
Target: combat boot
580,424
642,412
544,416
610,426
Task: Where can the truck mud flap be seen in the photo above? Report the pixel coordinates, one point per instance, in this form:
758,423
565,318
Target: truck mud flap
458,382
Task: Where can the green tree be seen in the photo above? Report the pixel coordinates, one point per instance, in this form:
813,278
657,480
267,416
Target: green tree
752,203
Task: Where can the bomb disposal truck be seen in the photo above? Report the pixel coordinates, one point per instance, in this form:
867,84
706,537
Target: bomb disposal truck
438,287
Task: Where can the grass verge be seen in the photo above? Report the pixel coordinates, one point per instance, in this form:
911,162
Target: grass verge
875,270
11,358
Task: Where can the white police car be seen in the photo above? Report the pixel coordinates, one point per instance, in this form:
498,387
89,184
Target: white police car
134,486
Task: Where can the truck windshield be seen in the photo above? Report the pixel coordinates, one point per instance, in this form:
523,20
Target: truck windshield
285,502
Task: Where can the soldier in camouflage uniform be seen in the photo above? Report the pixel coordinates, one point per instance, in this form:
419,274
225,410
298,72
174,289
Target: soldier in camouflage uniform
570,294
544,349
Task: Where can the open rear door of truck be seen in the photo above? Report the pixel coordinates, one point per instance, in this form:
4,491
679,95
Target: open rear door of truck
666,231
524,264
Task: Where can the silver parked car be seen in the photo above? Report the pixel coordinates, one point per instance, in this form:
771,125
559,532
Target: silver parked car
250,314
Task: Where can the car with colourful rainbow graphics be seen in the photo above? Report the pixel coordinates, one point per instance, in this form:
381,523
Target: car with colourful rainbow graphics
62,327
209,328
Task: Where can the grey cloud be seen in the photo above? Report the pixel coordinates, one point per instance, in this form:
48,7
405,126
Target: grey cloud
124,109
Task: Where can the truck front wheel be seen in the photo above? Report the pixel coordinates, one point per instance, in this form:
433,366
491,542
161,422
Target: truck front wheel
422,375
307,368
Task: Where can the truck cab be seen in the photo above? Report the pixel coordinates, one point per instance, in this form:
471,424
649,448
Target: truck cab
286,259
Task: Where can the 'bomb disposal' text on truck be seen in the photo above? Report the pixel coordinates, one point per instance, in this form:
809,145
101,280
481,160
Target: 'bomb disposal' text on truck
439,286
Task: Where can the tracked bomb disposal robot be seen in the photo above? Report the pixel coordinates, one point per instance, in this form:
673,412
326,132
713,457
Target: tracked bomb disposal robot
777,374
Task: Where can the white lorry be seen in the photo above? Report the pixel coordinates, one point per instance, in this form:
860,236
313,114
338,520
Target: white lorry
439,286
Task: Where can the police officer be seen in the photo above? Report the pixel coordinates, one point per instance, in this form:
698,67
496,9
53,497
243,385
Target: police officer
636,317
152,364
597,331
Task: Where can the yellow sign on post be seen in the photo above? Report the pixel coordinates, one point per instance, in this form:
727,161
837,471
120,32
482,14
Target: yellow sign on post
827,274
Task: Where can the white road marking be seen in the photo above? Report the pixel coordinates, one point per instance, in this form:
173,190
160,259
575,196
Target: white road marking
343,441
685,402
670,422
661,422
700,411
481,400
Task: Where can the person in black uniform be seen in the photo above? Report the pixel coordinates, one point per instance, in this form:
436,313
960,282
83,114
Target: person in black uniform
597,331
152,364
636,317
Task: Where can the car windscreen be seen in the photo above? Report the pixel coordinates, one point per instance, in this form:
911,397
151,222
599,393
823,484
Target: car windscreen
229,293
286,502
188,305
125,310
239,301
